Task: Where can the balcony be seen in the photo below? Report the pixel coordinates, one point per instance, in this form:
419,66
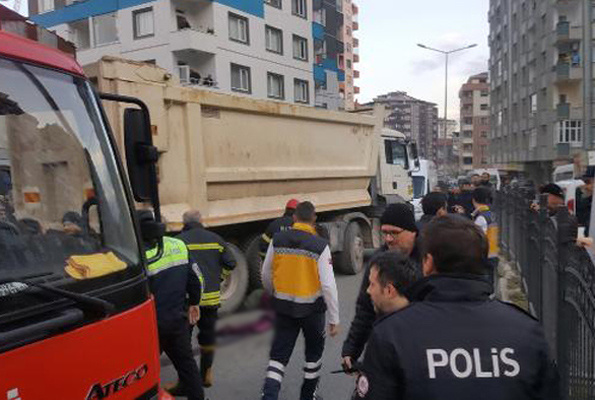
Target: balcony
355,58
356,89
565,111
195,68
566,33
193,39
355,42
567,73
355,74
355,26
354,9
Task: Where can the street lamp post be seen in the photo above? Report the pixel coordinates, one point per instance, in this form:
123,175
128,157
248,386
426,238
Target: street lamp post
446,54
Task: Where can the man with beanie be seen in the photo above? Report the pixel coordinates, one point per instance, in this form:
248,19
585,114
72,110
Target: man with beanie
400,233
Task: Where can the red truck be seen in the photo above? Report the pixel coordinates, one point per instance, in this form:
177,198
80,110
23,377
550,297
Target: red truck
77,320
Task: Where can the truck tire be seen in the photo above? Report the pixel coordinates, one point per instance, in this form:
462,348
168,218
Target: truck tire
251,249
350,261
234,288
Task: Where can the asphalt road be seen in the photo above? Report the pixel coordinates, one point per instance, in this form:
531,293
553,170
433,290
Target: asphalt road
240,366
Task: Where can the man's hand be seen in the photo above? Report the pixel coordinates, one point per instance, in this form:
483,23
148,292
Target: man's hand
584,242
347,363
535,206
193,314
333,330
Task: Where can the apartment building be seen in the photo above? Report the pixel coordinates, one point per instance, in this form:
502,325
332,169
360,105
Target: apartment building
334,50
541,84
258,48
474,99
417,119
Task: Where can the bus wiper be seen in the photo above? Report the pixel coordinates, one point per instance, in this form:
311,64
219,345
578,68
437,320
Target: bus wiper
105,308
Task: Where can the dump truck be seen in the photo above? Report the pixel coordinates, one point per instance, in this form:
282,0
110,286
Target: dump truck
238,160
77,319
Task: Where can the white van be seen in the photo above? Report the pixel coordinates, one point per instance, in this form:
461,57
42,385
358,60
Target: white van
425,179
563,173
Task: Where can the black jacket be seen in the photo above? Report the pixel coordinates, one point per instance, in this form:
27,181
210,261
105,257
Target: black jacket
364,318
423,221
454,342
213,256
583,212
174,284
280,224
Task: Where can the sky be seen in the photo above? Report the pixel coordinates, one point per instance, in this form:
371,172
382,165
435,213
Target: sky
390,59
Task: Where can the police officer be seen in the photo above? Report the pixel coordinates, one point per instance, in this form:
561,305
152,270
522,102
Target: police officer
280,224
216,261
453,340
175,281
298,272
400,234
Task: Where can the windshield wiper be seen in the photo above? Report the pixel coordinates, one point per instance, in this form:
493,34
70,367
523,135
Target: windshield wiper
105,308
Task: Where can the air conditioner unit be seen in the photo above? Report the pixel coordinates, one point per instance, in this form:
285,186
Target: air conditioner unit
184,74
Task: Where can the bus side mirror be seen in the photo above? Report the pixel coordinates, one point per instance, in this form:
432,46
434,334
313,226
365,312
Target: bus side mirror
141,155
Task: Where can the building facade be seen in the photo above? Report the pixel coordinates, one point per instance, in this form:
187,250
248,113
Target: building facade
474,99
541,84
417,119
259,48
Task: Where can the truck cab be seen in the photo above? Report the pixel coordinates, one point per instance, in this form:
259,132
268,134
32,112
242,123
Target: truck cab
398,158
425,180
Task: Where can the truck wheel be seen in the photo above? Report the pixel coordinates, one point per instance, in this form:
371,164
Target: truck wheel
233,289
351,259
252,250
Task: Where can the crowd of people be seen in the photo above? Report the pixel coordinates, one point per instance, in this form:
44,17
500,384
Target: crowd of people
426,319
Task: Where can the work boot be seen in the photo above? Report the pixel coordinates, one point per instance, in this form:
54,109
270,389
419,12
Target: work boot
175,389
207,356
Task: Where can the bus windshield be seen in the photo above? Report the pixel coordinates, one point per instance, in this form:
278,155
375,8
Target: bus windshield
64,218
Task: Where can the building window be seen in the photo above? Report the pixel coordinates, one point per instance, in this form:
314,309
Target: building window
484,107
533,103
320,16
468,121
467,160
570,131
238,29
46,6
80,34
105,30
275,3
300,48
485,93
348,64
143,23
298,7
275,86
240,79
301,91
274,40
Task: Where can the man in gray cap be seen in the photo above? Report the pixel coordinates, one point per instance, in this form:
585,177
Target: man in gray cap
400,233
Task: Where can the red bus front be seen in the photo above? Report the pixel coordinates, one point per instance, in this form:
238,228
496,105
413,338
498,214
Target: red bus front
76,317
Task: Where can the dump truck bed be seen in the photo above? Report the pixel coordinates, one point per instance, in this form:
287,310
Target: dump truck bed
238,159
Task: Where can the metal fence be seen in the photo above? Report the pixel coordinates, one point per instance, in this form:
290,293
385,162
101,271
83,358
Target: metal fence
559,279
